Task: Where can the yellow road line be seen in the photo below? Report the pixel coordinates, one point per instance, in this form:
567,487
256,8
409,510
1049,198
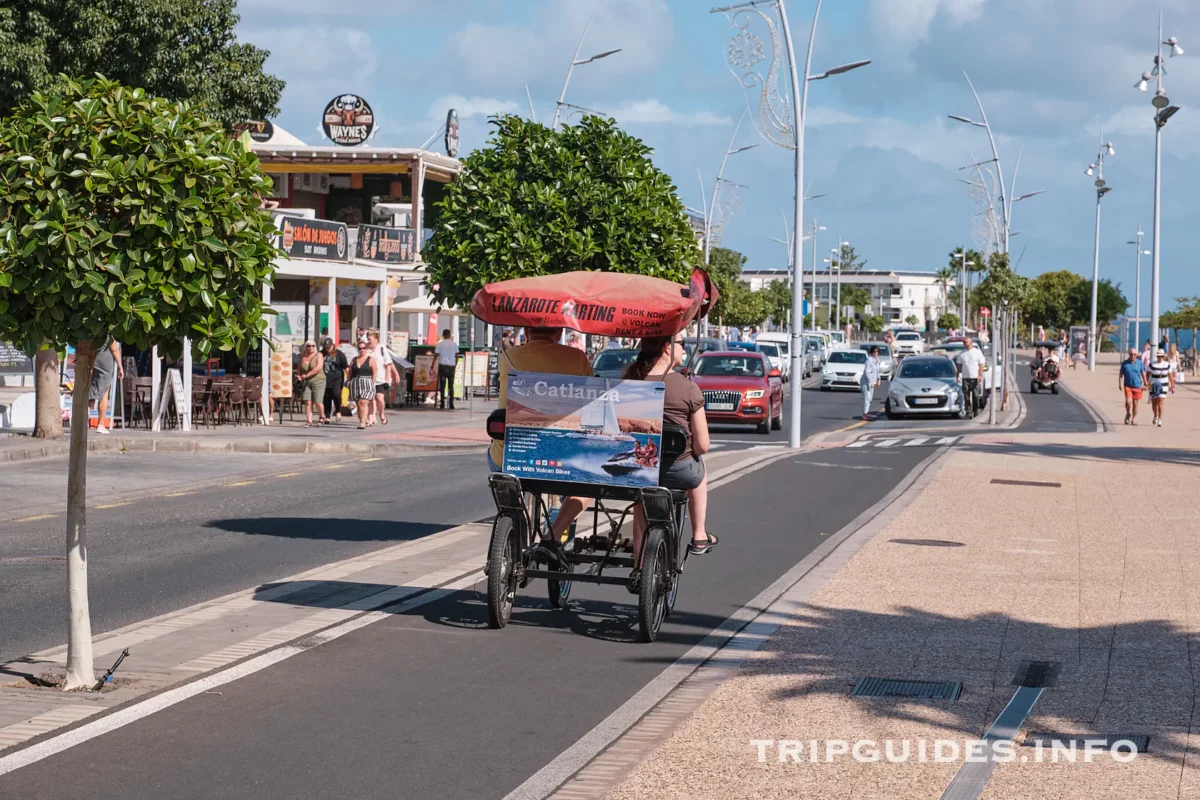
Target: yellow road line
334,466
113,505
240,483
35,517
177,494
858,424
287,474
364,460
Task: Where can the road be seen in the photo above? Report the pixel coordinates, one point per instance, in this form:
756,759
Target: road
430,703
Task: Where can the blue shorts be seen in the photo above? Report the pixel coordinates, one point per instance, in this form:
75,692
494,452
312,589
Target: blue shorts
492,464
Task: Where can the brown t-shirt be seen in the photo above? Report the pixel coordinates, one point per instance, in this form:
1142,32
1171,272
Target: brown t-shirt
681,399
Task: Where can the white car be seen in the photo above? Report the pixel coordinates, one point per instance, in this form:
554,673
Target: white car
774,351
843,370
908,343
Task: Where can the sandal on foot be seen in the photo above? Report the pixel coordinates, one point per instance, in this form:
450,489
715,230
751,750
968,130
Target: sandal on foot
635,581
699,550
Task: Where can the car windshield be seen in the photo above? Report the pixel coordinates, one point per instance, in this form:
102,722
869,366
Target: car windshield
908,335
735,366
769,348
884,350
614,359
848,357
706,346
931,368
837,336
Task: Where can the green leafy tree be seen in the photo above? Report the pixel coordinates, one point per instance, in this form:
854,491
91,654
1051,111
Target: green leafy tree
178,49
742,307
183,50
976,263
725,268
949,321
778,298
944,276
1110,302
912,319
536,201
856,297
1049,303
128,216
874,323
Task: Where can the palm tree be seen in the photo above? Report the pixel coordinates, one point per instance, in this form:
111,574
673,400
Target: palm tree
944,276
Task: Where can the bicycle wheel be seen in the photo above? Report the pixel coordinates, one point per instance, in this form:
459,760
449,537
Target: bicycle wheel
503,557
656,582
559,591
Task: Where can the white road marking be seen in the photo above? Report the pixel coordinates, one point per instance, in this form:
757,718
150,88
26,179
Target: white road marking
137,711
918,440
860,443
886,442
841,466
947,440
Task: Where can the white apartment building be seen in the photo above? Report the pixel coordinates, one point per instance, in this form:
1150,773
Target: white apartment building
895,294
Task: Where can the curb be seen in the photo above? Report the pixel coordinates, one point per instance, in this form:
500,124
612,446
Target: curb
1103,423
171,445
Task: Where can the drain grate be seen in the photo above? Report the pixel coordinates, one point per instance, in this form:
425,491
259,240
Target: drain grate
1140,741
908,690
32,561
1037,674
928,542
1046,484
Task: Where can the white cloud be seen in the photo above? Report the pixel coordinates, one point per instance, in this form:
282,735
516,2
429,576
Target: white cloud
819,116
471,106
318,59
655,112
904,24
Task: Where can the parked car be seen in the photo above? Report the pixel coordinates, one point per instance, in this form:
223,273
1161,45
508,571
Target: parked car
909,343
843,370
774,352
740,388
887,362
612,363
823,341
783,341
812,355
924,385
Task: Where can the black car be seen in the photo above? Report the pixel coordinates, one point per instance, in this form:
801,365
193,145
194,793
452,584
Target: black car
611,363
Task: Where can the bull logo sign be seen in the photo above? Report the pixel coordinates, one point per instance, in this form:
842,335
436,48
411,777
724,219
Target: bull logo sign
348,120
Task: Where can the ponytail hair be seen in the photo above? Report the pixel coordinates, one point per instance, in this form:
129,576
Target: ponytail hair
649,351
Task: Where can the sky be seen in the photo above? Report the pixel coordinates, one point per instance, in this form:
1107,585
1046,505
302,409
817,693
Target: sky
1056,77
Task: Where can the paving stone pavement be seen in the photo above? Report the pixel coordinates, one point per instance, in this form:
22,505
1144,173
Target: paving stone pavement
1080,574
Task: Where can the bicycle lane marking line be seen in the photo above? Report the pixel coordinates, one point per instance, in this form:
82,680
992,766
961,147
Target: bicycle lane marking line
140,710
742,633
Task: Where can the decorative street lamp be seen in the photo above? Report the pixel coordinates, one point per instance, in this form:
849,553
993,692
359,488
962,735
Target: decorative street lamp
1137,289
1097,169
781,121
722,202
1163,111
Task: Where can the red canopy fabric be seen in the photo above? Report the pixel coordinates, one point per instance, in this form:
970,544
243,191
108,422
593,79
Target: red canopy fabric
599,303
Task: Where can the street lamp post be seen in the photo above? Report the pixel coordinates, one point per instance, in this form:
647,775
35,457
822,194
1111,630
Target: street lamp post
1097,169
575,62
1163,111
962,289
711,211
1137,289
1004,206
744,51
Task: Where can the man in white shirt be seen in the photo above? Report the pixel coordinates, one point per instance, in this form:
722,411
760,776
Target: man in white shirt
971,366
386,374
447,360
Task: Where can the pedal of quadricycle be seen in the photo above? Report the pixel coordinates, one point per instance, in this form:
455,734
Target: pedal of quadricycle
506,491
658,504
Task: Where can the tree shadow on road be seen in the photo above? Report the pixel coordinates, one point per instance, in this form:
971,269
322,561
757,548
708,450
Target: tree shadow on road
1159,455
335,529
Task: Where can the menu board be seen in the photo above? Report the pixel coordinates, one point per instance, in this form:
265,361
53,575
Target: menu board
425,377
398,343
13,360
281,369
386,245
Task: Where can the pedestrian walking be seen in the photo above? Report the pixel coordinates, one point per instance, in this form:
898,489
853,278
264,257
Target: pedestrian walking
1162,382
1130,381
311,373
106,368
447,360
335,379
869,381
385,376
508,340
1147,355
361,375
1173,360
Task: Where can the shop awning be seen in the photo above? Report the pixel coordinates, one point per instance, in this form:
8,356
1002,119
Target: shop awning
304,268
422,305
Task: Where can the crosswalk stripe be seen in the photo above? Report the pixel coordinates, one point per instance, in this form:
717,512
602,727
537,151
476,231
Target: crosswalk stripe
860,443
947,440
916,441
887,443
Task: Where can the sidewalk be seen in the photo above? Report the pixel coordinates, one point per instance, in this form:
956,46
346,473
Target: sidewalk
1063,563
409,430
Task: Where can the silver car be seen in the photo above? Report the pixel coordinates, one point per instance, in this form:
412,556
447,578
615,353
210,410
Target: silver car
887,361
924,386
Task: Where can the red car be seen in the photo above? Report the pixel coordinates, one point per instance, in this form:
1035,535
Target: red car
740,388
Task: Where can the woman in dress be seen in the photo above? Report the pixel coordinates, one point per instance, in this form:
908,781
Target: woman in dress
360,377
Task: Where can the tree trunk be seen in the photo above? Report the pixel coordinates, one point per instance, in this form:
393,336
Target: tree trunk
79,624
48,415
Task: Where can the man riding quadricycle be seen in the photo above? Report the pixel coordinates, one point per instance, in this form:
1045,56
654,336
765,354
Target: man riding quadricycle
627,447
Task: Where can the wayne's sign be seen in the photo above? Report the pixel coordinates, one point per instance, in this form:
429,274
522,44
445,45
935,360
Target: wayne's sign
348,120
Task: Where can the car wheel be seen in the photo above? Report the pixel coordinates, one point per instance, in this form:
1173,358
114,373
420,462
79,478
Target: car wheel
764,426
824,388
777,420
887,409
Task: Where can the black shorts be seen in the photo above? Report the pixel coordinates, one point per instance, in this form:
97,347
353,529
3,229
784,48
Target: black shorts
685,472
382,388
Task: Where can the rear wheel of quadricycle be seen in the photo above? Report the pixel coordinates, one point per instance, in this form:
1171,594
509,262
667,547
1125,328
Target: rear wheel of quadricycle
1033,387
1054,388
503,557
559,591
656,583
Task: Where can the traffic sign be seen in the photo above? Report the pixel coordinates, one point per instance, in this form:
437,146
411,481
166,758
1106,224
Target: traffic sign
985,312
